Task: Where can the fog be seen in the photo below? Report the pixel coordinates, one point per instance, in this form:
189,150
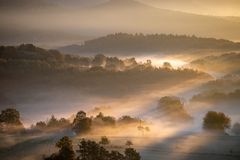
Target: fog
52,27
151,72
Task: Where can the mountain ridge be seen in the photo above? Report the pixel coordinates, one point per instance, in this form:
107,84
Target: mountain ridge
130,43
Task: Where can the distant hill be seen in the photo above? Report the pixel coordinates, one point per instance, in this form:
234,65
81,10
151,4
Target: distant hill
44,4
225,63
217,97
139,43
79,20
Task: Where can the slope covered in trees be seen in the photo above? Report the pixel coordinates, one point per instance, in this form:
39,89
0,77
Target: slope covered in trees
123,43
225,63
217,97
31,70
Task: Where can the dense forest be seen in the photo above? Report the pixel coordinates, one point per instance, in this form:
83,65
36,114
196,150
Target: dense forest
125,43
29,68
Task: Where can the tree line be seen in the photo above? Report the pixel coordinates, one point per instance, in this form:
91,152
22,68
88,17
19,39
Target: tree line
90,150
125,43
10,122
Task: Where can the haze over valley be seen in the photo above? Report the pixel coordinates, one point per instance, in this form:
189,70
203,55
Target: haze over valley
119,80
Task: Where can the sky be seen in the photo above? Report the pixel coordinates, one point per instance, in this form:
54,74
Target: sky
206,7
55,23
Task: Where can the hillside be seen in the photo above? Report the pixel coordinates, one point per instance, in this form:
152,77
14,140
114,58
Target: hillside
138,43
31,70
225,63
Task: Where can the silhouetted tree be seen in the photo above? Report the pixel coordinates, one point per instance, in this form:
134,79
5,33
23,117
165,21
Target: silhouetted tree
66,151
167,65
100,119
173,109
129,143
41,125
90,150
53,122
81,123
127,120
131,154
10,116
114,155
216,121
10,121
104,140
99,61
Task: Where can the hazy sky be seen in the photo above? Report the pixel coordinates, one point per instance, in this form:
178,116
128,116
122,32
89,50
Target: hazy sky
60,22
209,7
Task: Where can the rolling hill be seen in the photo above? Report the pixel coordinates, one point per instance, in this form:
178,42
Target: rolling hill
130,44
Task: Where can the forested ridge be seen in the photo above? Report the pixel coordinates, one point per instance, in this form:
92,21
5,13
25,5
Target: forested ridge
124,43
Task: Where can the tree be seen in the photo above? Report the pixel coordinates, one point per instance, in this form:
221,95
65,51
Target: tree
10,116
53,122
100,119
90,150
114,155
10,121
173,109
216,121
127,120
66,151
41,125
81,123
131,154
99,60
129,143
167,65
104,140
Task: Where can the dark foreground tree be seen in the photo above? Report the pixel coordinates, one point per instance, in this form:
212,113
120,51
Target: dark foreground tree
132,154
90,150
217,121
66,151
